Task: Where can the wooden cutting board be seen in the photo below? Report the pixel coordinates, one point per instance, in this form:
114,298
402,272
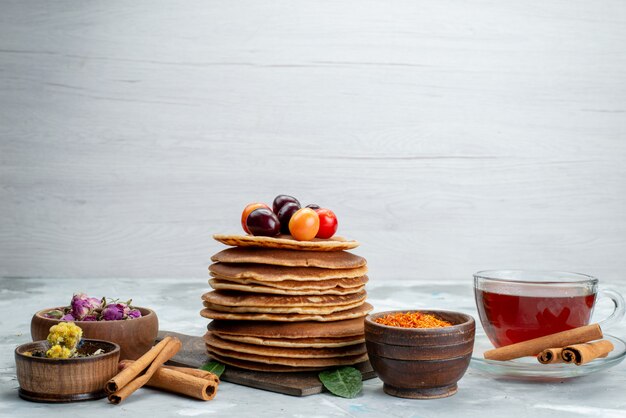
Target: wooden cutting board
193,354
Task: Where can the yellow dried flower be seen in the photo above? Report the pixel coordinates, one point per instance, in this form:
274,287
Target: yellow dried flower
57,351
66,334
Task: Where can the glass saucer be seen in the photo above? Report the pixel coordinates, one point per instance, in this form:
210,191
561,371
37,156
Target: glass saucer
528,368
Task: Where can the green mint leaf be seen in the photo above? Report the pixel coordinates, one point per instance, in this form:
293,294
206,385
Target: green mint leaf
214,367
346,382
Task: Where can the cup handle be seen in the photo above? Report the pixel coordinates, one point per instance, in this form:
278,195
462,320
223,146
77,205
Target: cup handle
618,312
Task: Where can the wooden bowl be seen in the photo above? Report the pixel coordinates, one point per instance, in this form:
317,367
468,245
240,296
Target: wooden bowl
65,380
420,363
134,336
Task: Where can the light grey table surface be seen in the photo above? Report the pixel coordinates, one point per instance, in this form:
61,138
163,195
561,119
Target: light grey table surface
177,302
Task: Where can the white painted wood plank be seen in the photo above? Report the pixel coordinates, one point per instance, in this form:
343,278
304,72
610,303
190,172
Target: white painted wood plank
448,136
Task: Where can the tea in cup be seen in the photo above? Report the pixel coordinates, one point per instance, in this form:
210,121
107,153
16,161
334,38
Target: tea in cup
518,305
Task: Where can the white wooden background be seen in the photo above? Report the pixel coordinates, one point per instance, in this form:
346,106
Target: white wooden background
448,136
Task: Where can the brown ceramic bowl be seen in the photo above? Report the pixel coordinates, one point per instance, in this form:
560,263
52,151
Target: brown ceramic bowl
420,363
65,380
134,336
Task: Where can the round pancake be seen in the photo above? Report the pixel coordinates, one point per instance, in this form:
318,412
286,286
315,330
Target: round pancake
336,329
238,299
286,242
294,342
251,288
293,362
288,352
303,284
290,258
302,310
266,273
355,282
358,312
261,367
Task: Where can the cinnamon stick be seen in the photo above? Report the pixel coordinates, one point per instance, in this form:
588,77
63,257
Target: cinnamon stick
533,347
121,379
203,374
168,351
550,356
584,353
195,383
188,370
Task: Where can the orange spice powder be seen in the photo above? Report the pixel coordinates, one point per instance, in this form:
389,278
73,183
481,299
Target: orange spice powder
412,320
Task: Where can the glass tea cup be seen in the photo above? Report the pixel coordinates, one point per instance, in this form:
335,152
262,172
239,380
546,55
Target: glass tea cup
519,305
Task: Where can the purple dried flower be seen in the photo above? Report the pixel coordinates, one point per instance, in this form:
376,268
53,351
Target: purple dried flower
134,313
95,303
82,305
114,312
68,317
84,308
80,309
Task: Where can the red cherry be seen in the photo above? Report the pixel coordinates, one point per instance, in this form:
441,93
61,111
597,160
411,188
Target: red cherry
328,223
247,210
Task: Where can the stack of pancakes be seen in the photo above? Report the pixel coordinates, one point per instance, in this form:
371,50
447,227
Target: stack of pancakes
282,305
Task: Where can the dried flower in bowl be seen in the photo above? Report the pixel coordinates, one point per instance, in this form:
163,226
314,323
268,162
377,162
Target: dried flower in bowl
65,367
58,351
65,340
85,308
82,305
